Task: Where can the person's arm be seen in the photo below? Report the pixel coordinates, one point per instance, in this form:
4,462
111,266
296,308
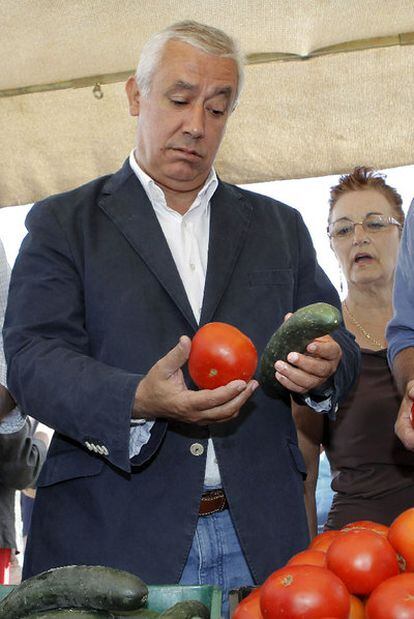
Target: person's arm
163,393
47,347
21,458
50,371
400,329
41,440
400,332
309,428
403,371
6,402
328,370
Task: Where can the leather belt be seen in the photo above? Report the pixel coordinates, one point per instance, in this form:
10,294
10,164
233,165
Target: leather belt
212,501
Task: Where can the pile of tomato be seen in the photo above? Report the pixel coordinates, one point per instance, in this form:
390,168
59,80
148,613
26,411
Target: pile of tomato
363,571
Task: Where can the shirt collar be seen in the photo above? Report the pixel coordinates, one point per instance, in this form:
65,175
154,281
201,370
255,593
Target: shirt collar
156,195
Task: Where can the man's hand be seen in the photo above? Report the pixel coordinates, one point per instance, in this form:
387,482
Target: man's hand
163,393
6,402
305,372
403,426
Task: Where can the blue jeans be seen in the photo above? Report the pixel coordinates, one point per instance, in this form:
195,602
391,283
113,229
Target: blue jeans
216,558
324,492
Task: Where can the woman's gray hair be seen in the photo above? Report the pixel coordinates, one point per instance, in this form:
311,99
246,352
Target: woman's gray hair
210,40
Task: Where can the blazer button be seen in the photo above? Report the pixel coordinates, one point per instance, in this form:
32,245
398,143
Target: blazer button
197,449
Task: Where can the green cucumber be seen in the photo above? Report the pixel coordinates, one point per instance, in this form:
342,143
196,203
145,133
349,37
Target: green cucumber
76,586
70,613
294,335
189,609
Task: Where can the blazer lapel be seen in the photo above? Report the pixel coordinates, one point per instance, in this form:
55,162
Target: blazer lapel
229,222
125,202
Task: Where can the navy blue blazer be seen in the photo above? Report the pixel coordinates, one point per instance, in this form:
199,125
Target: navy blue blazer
95,301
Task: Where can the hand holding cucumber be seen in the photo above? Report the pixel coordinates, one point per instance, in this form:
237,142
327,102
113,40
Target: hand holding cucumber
301,355
305,372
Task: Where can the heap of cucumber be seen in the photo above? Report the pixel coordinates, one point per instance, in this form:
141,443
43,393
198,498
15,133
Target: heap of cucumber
89,592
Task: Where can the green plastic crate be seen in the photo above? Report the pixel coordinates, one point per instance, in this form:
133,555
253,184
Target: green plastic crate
4,589
161,597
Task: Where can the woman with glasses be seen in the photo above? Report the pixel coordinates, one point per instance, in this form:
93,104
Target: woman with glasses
372,473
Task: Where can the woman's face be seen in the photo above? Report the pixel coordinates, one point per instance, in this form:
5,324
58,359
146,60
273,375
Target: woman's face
366,257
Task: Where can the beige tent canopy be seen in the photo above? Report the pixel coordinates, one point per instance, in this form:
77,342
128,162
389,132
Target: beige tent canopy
329,83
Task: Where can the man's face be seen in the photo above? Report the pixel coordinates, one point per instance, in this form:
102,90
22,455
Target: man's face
181,121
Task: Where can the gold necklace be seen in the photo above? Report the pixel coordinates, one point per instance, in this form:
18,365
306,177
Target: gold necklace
364,332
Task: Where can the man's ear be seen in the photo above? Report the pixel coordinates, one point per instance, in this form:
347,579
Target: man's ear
131,89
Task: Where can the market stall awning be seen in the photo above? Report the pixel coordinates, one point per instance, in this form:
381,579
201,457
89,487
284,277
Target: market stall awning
329,84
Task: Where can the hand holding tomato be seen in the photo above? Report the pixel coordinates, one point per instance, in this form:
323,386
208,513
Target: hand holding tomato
163,393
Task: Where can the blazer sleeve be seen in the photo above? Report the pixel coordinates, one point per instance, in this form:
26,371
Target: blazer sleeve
313,285
51,372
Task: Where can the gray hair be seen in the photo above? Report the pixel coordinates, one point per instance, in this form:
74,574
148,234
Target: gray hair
210,40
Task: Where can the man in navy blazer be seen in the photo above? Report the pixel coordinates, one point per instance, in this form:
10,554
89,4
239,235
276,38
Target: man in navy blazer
112,281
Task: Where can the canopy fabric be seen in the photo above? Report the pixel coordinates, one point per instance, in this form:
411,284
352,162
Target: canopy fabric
305,110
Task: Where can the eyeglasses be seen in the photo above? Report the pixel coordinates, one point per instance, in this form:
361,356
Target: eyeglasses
374,222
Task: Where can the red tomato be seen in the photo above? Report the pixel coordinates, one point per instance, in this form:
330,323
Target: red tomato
362,559
323,540
401,537
392,599
367,524
305,592
219,354
412,415
249,607
309,557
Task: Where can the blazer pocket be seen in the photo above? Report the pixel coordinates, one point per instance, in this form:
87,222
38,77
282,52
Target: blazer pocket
297,457
69,465
270,277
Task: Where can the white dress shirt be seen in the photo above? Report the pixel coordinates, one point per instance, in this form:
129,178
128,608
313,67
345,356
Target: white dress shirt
187,237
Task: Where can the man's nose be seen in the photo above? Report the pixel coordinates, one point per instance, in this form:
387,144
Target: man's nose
194,122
